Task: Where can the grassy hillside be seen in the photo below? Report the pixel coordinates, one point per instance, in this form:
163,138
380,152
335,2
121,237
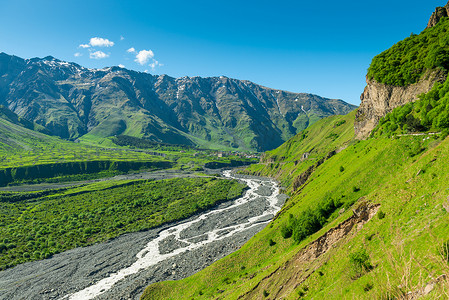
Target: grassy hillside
399,250
408,60
27,156
306,149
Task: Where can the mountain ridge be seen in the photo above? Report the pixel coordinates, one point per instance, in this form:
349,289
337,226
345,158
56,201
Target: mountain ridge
73,102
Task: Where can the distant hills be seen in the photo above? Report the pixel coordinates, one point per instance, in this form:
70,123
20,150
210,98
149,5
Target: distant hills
74,102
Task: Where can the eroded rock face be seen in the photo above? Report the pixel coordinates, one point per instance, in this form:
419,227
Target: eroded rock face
440,12
379,99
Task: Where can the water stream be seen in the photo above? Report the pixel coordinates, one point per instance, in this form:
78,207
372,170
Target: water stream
201,236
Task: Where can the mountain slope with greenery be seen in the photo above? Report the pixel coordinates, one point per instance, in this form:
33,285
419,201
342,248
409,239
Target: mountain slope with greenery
367,219
407,61
404,178
217,112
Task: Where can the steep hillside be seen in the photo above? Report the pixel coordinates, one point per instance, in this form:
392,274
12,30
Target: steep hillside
75,102
30,156
403,180
367,219
400,74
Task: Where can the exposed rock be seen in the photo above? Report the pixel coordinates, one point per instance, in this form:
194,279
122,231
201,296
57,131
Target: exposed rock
440,12
310,258
379,99
305,156
304,176
71,101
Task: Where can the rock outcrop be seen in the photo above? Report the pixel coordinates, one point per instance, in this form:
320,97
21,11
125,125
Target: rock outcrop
379,99
440,12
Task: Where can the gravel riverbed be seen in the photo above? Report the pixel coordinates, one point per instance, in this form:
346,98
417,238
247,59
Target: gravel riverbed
123,267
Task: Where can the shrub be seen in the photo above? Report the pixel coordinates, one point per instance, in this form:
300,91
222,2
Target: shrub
307,223
380,215
342,168
359,262
369,286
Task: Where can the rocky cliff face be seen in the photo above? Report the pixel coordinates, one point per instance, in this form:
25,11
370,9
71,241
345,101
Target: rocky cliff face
439,13
379,99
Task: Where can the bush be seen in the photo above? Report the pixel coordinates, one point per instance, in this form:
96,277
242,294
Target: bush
359,262
306,224
310,221
380,215
342,168
369,286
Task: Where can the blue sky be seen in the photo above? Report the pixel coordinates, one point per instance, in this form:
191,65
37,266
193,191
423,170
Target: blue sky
321,47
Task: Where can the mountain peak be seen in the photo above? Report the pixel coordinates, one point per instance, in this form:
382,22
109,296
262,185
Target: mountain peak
440,12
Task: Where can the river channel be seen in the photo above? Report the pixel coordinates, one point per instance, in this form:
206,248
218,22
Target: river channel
123,267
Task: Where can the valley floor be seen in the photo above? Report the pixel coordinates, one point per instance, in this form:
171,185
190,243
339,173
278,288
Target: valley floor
208,237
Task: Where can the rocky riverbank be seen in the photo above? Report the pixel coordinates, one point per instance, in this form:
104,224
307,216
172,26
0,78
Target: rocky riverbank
123,267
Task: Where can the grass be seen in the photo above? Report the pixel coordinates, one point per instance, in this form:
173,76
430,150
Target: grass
410,187
27,156
37,225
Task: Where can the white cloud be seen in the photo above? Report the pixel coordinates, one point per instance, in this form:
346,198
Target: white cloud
155,64
98,55
77,54
122,38
144,56
100,42
84,46
121,66
131,50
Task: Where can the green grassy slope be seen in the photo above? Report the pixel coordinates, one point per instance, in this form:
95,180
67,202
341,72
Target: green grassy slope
407,176
286,162
30,156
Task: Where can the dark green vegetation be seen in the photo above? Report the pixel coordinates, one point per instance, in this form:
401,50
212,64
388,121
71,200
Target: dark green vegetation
73,102
394,253
27,156
62,171
37,225
311,220
407,61
141,143
429,113
360,263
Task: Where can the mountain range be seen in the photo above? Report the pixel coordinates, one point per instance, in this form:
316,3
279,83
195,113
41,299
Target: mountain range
74,102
